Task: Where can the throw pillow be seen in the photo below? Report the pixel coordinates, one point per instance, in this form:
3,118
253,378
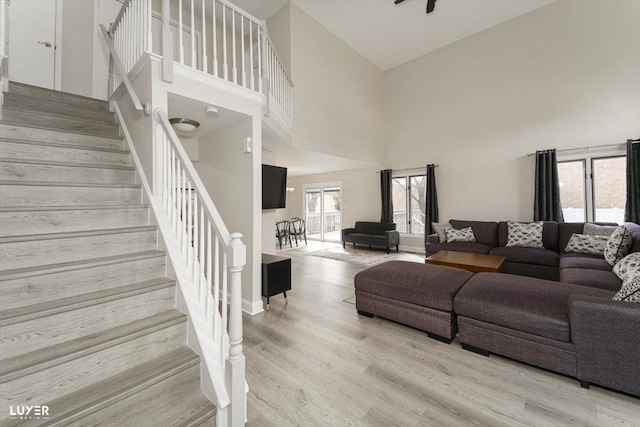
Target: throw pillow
583,244
439,228
591,229
630,290
463,235
618,245
628,266
527,235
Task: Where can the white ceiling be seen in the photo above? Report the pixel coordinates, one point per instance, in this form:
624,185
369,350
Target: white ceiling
181,107
390,35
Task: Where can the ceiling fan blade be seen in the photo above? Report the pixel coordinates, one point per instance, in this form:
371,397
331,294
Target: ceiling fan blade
397,1
431,4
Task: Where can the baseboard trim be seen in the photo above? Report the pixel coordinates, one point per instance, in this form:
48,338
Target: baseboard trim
252,307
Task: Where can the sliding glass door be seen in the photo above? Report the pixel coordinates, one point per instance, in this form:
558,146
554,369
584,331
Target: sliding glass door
323,211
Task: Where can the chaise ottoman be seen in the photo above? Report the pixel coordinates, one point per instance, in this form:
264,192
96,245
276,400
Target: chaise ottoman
413,294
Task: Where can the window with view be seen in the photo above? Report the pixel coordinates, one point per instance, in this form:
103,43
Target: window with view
409,199
593,189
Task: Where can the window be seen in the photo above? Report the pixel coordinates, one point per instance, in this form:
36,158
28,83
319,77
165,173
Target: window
409,199
593,189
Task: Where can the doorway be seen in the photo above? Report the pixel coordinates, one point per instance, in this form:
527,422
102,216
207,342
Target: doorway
35,42
323,211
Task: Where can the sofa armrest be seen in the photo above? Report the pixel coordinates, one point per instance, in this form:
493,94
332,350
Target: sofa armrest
347,231
393,237
605,333
433,238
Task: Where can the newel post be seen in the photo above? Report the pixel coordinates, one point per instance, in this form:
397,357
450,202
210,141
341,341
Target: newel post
167,42
235,363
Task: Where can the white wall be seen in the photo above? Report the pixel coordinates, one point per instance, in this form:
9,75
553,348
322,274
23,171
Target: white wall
360,194
566,75
337,94
232,180
77,47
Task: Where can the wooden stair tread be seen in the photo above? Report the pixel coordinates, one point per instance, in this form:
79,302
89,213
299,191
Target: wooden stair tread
102,394
207,414
69,208
62,145
72,234
67,109
72,165
34,311
67,184
25,133
76,265
57,354
62,115
17,87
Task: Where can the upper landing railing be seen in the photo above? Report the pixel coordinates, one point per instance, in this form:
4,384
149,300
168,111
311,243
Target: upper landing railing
212,36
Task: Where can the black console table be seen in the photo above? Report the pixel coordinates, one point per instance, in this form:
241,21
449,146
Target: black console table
276,276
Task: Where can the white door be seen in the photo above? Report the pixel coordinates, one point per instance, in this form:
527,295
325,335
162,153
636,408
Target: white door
323,212
32,42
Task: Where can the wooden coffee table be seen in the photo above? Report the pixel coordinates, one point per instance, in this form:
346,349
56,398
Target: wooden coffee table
476,263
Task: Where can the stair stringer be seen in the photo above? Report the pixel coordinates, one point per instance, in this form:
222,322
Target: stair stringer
200,337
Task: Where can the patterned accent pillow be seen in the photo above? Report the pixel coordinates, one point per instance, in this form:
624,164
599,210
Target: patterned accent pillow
618,245
591,229
439,228
628,266
526,235
583,244
463,235
630,290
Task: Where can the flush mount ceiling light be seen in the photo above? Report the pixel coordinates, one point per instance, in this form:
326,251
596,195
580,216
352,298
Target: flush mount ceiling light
184,125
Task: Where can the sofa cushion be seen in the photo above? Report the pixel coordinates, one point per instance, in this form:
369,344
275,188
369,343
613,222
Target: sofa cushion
592,278
464,235
591,229
549,234
538,256
586,244
526,235
379,228
634,229
628,266
566,229
439,228
372,237
535,306
474,248
618,245
485,232
591,262
630,290
431,286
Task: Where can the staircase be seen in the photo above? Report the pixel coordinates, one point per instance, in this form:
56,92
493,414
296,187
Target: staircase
87,319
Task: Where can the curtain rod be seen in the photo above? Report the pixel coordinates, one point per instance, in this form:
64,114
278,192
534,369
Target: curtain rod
411,169
589,148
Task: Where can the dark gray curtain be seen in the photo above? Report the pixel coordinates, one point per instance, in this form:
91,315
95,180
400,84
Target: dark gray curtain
386,196
632,209
546,206
431,201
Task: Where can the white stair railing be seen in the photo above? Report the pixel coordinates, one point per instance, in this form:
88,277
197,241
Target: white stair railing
210,261
214,37
4,59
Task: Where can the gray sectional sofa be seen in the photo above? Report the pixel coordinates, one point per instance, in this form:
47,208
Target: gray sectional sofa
571,326
550,262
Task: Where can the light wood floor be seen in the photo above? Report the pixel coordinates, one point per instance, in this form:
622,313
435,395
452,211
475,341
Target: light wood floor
316,362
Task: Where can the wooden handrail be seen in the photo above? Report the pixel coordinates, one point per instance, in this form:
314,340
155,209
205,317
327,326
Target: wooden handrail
125,78
218,224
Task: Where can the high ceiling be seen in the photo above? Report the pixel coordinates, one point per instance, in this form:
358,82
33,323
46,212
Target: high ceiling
390,35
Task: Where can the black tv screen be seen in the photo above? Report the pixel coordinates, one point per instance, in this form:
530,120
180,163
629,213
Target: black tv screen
274,187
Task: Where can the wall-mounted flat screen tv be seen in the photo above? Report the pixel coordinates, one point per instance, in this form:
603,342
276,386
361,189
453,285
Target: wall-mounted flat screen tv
274,187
